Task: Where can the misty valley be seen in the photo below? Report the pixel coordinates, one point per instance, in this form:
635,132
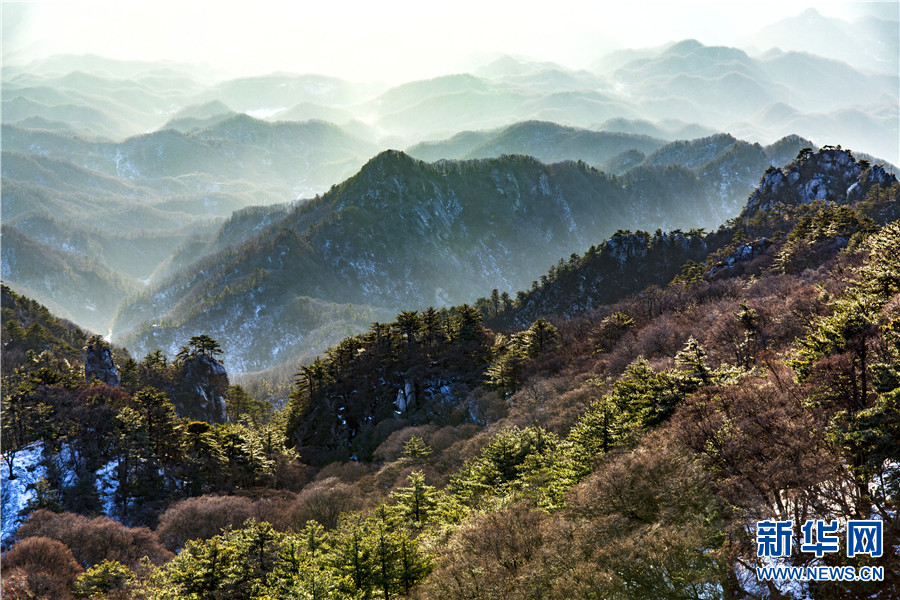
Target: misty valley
521,331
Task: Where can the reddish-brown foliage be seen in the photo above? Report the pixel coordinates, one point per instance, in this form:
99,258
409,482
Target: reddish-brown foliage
94,540
39,567
207,516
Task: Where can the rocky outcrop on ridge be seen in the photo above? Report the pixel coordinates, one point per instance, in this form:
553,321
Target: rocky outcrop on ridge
98,362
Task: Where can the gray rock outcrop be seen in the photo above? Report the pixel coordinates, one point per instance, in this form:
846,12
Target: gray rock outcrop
201,393
98,362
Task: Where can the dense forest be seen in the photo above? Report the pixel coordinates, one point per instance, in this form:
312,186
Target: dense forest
616,431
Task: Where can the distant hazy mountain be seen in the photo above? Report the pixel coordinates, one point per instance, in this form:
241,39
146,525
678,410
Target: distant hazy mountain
728,82
304,111
175,74
284,90
198,116
724,88
705,89
548,142
666,129
870,43
76,286
124,208
100,101
282,161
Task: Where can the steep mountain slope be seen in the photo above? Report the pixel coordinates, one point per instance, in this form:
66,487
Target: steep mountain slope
629,262
27,325
133,254
403,233
241,226
128,205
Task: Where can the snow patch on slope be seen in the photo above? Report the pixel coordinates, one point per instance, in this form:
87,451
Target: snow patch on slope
17,492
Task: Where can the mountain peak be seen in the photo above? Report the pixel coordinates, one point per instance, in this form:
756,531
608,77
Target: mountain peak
831,174
811,13
684,46
389,156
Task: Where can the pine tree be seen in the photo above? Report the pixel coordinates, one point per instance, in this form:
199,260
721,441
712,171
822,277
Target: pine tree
504,374
838,361
495,302
539,337
351,555
385,553
466,323
409,324
415,448
415,502
432,331
199,345
693,358
160,421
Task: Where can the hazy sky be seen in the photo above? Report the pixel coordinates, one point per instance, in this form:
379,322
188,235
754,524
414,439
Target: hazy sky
386,40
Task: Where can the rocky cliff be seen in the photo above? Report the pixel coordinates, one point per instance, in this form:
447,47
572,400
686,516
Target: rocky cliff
831,174
201,392
98,362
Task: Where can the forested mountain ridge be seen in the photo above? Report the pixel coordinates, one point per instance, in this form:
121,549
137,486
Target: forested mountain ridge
64,278
444,216
630,262
30,327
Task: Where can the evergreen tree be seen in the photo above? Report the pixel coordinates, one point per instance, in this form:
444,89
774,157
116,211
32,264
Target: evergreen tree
466,323
432,331
504,374
839,361
199,345
539,337
415,448
160,421
351,554
109,579
693,358
409,323
239,404
415,502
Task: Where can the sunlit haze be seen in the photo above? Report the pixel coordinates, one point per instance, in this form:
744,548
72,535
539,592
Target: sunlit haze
388,41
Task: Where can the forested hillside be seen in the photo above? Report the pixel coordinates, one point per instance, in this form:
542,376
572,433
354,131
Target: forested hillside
615,431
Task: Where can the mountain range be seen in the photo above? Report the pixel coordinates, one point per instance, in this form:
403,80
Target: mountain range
443,218
174,192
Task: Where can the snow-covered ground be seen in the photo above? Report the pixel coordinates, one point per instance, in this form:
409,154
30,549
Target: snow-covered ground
15,493
107,484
